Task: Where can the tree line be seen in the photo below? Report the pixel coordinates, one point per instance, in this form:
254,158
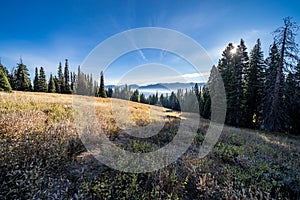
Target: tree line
261,93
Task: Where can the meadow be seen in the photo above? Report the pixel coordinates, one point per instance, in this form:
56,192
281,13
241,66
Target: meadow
43,157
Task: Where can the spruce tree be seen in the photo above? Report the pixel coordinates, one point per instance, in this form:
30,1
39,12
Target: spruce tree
22,80
272,102
143,98
109,92
102,92
295,115
61,80
57,85
4,83
42,81
135,96
4,69
241,61
51,85
226,68
67,87
206,109
36,81
284,41
253,86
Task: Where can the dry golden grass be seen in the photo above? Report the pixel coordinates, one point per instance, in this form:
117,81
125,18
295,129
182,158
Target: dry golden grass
42,156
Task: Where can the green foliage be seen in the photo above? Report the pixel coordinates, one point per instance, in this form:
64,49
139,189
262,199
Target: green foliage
4,83
67,86
273,106
135,96
36,81
60,80
253,86
51,85
42,83
22,80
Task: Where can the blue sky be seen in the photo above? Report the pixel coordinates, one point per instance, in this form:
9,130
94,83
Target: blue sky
46,32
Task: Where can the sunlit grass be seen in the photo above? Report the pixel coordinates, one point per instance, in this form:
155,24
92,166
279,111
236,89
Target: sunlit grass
42,156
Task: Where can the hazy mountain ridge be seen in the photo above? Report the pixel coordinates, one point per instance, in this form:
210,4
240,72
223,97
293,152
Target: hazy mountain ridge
161,86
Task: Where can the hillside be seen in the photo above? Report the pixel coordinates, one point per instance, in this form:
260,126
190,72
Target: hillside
42,155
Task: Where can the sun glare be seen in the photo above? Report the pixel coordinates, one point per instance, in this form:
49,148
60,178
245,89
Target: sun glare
233,51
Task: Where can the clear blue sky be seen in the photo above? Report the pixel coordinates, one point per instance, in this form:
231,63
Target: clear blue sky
45,32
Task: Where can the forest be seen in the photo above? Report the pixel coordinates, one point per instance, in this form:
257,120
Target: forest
262,93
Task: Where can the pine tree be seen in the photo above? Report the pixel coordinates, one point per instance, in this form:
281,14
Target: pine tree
206,109
241,62
67,87
42,81
57,85
51,85
4,83
273,112
102,92
109,92
22,80
36,81
295,115
253,85
135,96
286,55
4,69
143,99
60,80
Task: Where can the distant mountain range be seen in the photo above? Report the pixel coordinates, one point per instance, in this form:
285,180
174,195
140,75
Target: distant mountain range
161,88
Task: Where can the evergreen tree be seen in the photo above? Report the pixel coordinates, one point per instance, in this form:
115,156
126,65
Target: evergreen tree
36,81
197,92
273,112
226,69
286,55
42,83
60,80
143,98
109,92
295,115
22,80
12,79
4,83
51,85
135,96
206,110
253,84
67,87
241,61
102,92
57,85
4,69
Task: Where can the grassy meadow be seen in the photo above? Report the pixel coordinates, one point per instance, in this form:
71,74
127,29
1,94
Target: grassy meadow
42,156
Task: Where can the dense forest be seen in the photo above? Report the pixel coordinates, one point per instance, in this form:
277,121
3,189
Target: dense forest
262,93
